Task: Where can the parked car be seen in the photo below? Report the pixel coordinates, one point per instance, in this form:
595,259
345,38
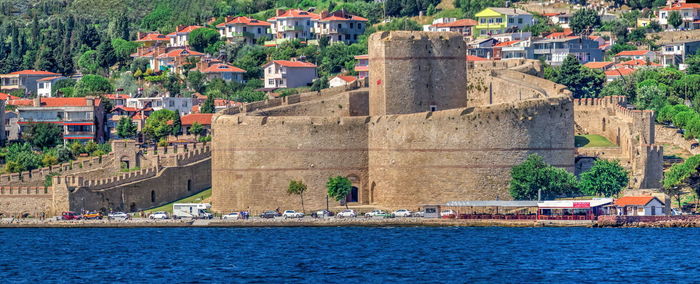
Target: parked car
159,215
676,212
232,216
70,215
449,213
378,213
292,214
420,214
269,214
402,213
118,216
92,215
322,214
347,213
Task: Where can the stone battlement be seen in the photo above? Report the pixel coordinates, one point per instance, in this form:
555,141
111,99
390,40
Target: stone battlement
25,190
99,184
37,176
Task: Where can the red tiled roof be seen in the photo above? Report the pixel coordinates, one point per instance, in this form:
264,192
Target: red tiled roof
551,14
296,13
117,96
475,58
201,118
245,21
363,68
199,96
364,56
347,78
633,53
506,43
559,34
139,116
222,102
20,102
680,6
185,30
598,65
66,102
604,46
153,37
634,200
220,67
349,18
49,78
287,63
33,72
126,109
637,62
4,97
619,72
180,52
458,23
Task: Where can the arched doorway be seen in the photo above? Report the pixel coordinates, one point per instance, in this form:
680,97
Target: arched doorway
354,195
189,185
124,163
371,192
153,196
603,124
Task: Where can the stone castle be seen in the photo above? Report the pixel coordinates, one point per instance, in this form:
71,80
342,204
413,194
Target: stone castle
430,128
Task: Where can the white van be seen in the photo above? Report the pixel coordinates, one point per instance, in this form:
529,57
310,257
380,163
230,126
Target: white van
191,210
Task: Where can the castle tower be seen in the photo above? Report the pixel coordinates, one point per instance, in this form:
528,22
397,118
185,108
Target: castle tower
414,72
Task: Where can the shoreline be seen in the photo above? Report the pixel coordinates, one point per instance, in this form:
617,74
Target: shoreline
332,222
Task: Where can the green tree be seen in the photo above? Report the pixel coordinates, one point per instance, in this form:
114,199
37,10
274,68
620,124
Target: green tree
60,84
196,80
606,178
674,19
320,84
208,105
650,97
581,81
338,188
297,188
44,135
88,63
584,21
683,175
202,38
126,128
160,124
91,85
533,175
123,50
693,65
196,129
105,55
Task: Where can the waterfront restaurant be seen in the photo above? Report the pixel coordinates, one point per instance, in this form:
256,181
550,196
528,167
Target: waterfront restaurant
573,209
493,209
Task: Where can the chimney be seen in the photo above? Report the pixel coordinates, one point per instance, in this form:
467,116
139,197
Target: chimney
229,18
279,12
90,101
179,28
37,102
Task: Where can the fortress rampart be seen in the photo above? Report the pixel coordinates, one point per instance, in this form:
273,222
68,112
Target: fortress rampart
404,158
36,177
632,130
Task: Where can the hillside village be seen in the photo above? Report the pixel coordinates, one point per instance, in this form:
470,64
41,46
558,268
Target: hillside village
70,86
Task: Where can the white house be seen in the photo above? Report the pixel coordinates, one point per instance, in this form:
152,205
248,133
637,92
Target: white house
647,55
341,80
45,85
181,105
288,74
180,37
639,206
243,29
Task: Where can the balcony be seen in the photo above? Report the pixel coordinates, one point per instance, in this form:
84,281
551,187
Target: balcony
241,34
276,41
292,28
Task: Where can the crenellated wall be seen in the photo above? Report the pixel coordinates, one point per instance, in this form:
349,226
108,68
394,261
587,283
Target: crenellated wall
36,177
20,200
632,130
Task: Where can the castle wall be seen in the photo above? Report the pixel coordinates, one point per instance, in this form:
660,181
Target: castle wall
410,71
464,154
16,201
253,171
354,103
133,192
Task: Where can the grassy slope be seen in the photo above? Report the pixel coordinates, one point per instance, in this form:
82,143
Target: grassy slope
197,198
592,141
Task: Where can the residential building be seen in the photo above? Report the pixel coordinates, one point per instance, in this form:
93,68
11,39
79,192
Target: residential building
501,20
481,47
559,35
152,39
339,26
636,64
554,51
244,29
513,50
180,37
225,72
341,80
675,53
174,59
472,58
82,119
362,66
647,55
690,13
291,24
560,19
181,105
512,36
11,126
639,206
118,99
25,79
462,26
288,74
44,86
203,119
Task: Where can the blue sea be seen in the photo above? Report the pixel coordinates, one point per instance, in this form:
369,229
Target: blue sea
349,255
